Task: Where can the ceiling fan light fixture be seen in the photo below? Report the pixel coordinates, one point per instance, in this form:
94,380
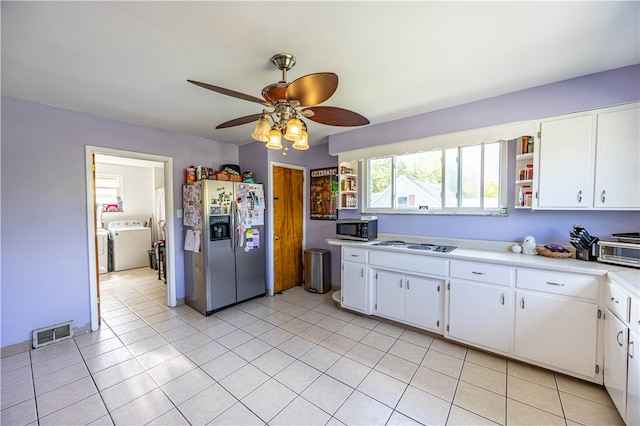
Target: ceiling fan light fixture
275,142
303,143
261,131
294,130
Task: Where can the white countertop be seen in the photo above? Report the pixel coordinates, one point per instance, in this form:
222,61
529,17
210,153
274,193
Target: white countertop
494,252
629,279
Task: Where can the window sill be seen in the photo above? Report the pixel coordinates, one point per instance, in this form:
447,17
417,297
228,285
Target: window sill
435,212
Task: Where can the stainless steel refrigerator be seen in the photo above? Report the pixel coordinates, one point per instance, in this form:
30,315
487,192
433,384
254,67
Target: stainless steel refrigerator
224,243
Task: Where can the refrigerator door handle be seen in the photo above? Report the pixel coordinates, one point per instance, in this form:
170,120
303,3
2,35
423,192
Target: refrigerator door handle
232,227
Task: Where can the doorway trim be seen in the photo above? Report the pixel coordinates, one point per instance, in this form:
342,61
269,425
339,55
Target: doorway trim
270,271
91,223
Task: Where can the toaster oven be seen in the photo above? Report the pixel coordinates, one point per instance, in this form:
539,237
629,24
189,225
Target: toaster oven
625,251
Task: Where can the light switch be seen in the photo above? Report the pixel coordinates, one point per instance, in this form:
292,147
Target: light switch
179,213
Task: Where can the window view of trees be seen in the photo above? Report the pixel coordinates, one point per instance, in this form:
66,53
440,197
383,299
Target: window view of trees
454,178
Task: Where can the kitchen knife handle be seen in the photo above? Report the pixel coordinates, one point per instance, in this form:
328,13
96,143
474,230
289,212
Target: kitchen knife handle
603,196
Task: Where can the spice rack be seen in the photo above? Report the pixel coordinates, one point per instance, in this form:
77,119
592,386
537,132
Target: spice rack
524,173
348,185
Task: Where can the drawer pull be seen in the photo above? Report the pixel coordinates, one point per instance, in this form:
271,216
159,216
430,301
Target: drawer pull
478,273
631,349
613,299
355,255
618,336
552,283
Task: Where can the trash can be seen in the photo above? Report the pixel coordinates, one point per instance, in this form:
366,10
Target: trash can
317,270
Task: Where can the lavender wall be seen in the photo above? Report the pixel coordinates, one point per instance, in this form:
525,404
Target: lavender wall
44,219
319,230
588,92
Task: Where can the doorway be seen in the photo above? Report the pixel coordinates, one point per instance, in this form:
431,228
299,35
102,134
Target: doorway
167,177
288,226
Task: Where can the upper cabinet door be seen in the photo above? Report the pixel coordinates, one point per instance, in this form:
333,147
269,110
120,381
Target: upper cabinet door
565,163
617,173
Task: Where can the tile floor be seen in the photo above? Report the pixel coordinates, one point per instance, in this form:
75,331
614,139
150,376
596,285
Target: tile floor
291,359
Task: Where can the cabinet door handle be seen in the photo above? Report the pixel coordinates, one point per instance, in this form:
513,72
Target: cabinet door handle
522,303
603,195
552,283
580,196
618,336
613,299
401,283
355,255
502,299
478,273
407,284
362,272
631,349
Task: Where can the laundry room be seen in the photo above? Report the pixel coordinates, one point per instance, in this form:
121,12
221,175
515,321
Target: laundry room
129,211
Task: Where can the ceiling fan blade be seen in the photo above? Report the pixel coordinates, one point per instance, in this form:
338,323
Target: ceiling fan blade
239,121
313,89
334,116
231,93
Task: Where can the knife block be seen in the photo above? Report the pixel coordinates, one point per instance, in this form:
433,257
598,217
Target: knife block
589,254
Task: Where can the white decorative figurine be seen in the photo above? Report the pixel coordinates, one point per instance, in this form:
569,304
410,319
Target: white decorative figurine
529,245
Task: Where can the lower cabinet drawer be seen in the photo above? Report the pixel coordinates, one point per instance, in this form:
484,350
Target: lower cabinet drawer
484,272
409,262
619,302
351,254
564,283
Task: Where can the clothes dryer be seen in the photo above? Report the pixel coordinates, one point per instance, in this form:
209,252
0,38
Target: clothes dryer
130,243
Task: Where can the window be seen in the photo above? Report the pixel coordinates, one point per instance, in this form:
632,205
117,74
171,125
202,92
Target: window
465,179
108,189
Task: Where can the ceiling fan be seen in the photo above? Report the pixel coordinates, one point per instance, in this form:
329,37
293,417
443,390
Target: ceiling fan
289,103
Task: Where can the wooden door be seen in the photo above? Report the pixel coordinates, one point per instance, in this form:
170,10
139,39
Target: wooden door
287,227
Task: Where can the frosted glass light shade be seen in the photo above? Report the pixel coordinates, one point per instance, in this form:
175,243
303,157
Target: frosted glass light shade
294,130
261,131
303,143
275,141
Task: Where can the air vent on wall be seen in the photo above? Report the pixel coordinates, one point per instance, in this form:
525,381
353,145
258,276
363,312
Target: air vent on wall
52,334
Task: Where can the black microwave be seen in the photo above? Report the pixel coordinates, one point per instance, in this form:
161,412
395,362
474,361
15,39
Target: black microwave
357,229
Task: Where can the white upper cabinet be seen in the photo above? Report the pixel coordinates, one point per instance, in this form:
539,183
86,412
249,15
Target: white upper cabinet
589,160
617,177
565,162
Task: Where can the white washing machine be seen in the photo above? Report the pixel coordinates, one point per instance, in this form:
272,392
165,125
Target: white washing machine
131,242
103,250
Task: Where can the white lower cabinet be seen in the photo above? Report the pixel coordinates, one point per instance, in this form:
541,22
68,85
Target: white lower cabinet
409,299
621,352
480,304
552,326
557,332
615,360
355,291
480,314
633,382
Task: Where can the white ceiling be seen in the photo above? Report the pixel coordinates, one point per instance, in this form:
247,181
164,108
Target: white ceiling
130,60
